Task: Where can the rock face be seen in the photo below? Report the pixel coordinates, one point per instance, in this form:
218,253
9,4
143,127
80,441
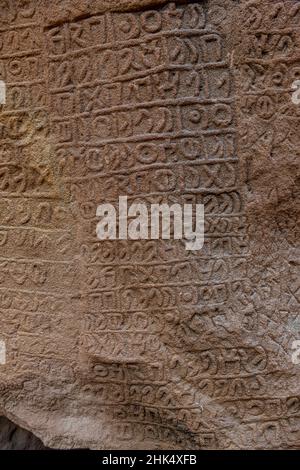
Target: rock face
142,344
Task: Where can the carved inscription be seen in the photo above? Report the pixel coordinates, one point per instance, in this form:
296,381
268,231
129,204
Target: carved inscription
143,344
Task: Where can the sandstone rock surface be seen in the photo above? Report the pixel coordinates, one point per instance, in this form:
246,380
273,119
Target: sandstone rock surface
141,344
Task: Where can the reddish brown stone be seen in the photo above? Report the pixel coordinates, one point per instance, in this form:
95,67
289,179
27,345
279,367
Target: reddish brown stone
141,344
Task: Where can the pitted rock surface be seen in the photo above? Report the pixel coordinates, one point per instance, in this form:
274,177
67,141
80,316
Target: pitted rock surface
142,344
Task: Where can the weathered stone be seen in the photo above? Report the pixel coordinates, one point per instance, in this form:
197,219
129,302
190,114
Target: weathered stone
141,344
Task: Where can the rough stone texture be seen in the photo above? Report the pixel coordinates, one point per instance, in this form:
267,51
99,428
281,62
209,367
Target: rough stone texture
141,344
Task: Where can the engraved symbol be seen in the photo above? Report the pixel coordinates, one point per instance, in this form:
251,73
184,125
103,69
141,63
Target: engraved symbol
296,94
265,107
